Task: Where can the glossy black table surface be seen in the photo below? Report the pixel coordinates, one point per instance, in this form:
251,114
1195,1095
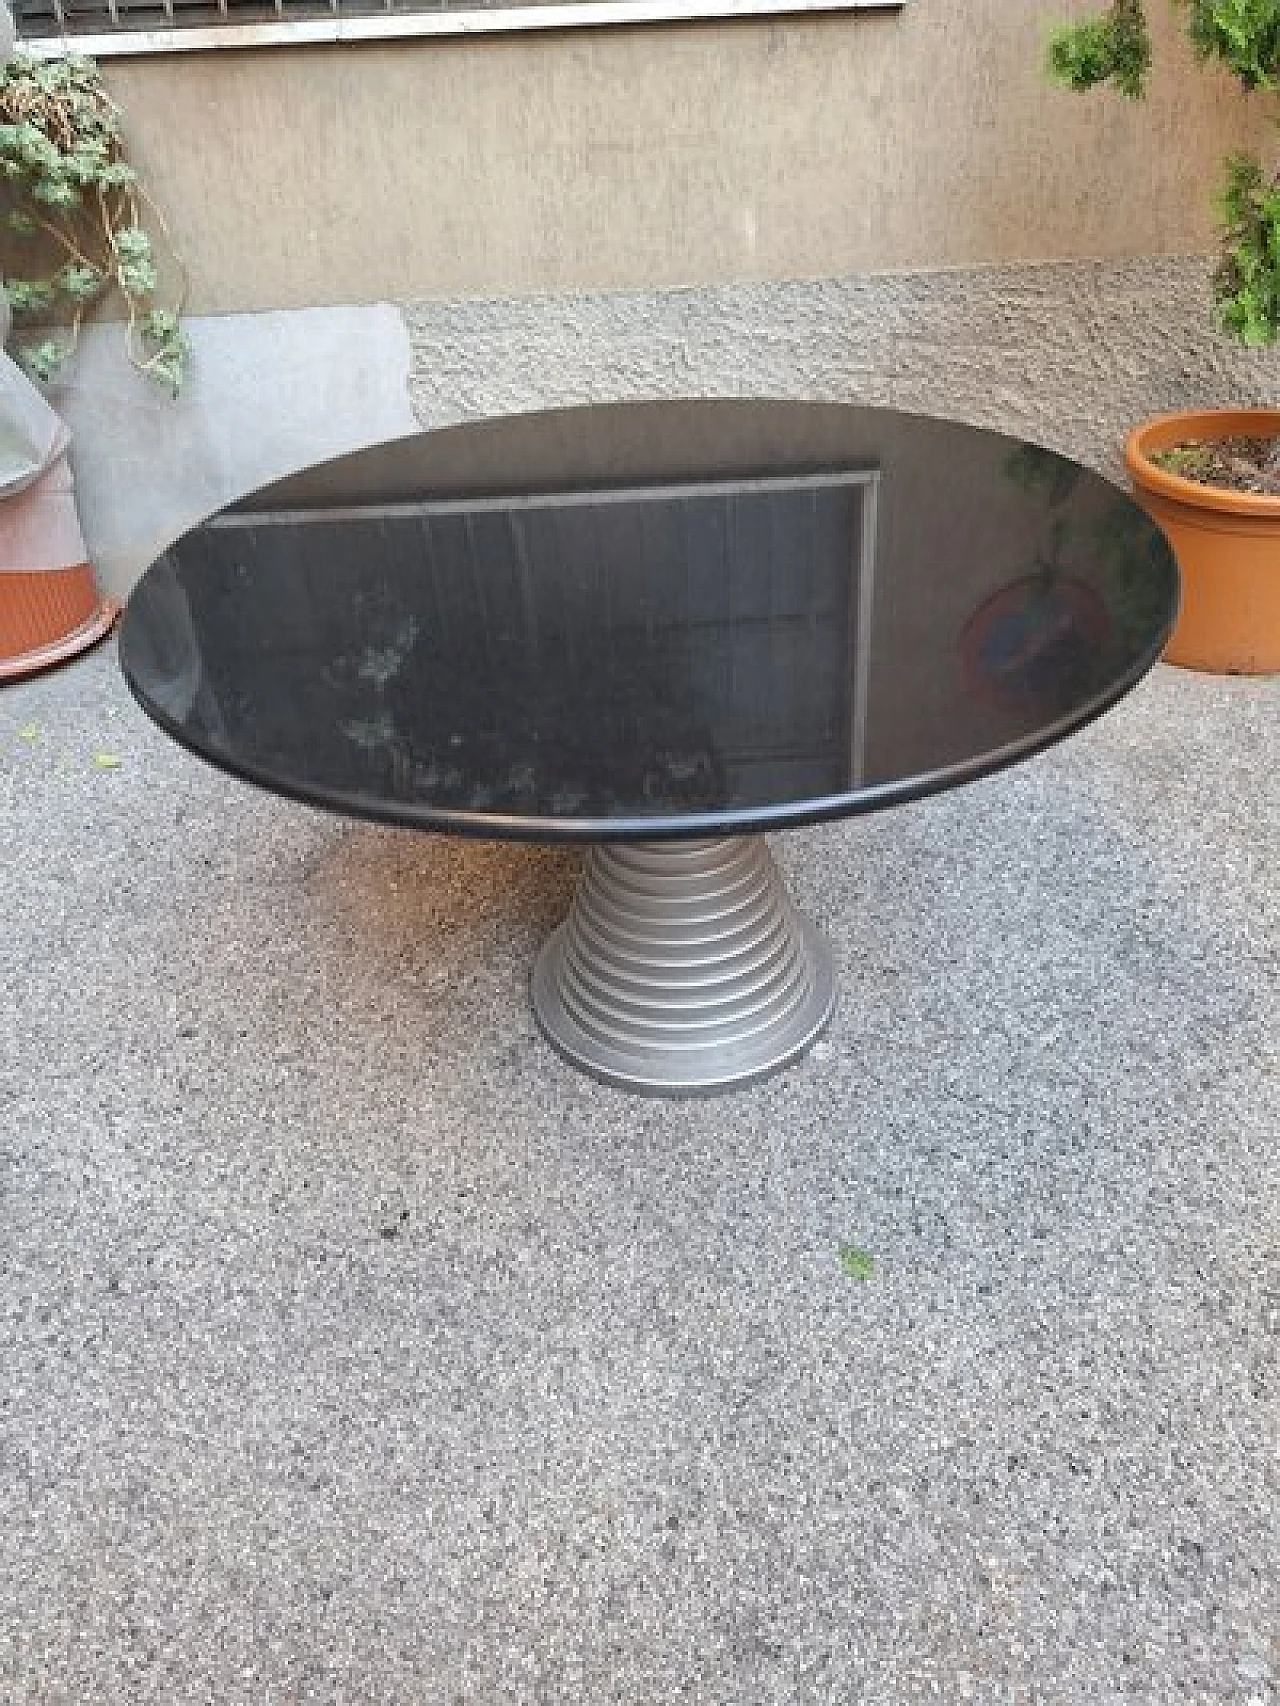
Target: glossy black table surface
651,621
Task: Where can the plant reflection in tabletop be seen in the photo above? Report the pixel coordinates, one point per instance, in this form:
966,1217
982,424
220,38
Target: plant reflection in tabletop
1035,645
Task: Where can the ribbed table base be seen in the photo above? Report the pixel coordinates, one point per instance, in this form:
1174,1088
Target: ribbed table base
683,967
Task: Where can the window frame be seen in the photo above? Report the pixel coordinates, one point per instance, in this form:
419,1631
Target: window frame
283,31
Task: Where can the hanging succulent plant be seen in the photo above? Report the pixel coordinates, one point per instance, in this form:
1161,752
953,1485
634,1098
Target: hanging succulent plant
77,217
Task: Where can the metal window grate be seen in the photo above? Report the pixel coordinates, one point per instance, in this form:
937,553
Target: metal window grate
106,27
43,18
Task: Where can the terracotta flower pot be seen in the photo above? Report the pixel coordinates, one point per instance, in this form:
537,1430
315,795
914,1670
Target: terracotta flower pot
50,607
1227,544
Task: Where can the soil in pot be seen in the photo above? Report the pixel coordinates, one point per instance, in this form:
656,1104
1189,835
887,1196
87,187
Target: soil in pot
1234,464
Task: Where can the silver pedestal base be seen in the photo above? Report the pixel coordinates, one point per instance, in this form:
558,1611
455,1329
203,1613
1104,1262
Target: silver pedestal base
683,967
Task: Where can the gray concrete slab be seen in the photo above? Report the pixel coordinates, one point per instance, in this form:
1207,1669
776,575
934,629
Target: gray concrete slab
355,1349
266,394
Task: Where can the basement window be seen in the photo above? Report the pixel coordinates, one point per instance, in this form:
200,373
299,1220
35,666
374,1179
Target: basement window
103,28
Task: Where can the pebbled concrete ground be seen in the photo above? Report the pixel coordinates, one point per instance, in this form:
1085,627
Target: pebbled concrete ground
355,1349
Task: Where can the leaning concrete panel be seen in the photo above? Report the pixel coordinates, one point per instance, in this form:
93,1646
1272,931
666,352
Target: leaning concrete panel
268,393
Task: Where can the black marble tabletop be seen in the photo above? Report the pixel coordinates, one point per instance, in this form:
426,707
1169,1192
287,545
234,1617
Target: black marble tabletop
651,619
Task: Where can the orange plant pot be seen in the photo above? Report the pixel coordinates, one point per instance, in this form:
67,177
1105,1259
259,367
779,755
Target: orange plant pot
48,615
1227,544
50,606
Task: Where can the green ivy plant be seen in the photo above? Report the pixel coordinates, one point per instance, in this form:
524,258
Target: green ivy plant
1244,37
75,216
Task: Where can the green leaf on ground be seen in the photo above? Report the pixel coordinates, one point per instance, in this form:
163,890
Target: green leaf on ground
106,760
857,1264
29,731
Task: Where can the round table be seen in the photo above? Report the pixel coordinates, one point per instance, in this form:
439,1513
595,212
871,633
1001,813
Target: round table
661,629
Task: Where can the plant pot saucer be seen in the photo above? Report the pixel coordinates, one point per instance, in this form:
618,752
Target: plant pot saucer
42,657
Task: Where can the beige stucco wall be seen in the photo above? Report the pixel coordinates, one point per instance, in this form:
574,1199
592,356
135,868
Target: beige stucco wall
693,154
865,209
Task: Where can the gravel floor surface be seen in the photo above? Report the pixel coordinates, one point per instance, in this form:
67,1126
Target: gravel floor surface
355,1349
